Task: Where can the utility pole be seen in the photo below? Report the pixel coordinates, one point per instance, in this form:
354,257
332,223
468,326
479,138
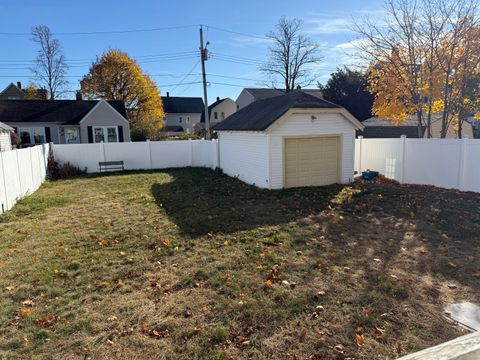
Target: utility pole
204,57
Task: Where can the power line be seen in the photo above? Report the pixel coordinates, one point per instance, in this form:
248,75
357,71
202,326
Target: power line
237,33
104,32
188,74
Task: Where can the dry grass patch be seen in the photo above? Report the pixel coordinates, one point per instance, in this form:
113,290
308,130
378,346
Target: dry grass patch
178,265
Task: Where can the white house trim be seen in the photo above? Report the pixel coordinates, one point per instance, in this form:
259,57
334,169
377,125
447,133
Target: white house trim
349,117
111,107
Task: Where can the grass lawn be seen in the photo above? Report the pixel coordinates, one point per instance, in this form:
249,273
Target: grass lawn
189,264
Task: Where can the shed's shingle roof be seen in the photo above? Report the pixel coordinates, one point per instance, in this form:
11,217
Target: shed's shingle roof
259,115
261,93
378,132
68,112
176,104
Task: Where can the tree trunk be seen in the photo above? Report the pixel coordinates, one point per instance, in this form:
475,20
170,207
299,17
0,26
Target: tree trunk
419,125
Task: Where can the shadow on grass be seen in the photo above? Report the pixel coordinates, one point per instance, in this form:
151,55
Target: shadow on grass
200,201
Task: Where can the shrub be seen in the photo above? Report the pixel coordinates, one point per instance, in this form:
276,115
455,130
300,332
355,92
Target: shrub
55,171
15,139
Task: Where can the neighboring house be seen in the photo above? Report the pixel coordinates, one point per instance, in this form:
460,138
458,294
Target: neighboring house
12,92
220,110
376,128
249,95
182,112
291,140
5,137
436,128
66,121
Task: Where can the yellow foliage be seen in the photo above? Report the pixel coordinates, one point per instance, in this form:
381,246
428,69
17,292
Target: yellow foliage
114,76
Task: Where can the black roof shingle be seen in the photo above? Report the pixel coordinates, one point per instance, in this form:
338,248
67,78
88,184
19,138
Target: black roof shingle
176,104
67,112
259,115
393,131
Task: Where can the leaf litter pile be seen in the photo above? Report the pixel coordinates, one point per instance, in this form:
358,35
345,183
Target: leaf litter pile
187,263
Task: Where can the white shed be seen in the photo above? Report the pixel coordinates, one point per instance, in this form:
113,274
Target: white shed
5,137
290,140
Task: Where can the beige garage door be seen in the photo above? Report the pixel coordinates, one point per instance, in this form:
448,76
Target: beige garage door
312,161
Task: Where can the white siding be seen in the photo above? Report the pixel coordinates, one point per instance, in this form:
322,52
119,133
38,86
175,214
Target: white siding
244,99
245,155
302,125
5,143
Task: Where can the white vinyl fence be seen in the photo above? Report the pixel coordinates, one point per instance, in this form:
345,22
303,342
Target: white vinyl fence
21,173
447,163
140,155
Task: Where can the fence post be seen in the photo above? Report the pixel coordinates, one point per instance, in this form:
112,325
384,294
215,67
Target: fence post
102,151
190,143
360,140
403,139
4,183
463,164
18,170
149,154
31,167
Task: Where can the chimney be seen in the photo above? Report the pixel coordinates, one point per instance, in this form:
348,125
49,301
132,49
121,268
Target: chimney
19,84
78,96
218,98
168,94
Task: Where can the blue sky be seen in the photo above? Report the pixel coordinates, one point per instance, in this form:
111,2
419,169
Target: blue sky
171,56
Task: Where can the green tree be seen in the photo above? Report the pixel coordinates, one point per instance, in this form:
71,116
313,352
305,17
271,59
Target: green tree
114,76
349,89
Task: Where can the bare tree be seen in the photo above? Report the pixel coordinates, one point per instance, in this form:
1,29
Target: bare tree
290,54
51,66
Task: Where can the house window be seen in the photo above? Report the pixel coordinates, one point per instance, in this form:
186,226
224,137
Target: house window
180,119
34,135
188,119
215,115
71,135
223,115
105,133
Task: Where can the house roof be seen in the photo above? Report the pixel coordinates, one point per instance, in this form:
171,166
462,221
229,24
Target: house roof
66,112
392,131
259,115
176,104
375,121
264,93
5,127
15,88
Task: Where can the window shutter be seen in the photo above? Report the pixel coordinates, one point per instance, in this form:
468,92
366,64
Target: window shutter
48,136
120,134
90,134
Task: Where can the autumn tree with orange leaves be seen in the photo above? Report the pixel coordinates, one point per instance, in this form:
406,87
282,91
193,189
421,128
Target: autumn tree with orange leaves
424,60
115,76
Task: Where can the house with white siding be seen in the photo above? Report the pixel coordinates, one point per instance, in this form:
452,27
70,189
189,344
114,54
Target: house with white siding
219,111
182,114
5,137
291,140
66,121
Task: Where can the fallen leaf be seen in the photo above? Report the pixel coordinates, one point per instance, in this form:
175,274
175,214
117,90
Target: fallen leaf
338,348
57,254
9,287
89,221
360,339
27,302
120,283
288,357
47,321
112,318
452,265
165,242
268,283
379,331
25,312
